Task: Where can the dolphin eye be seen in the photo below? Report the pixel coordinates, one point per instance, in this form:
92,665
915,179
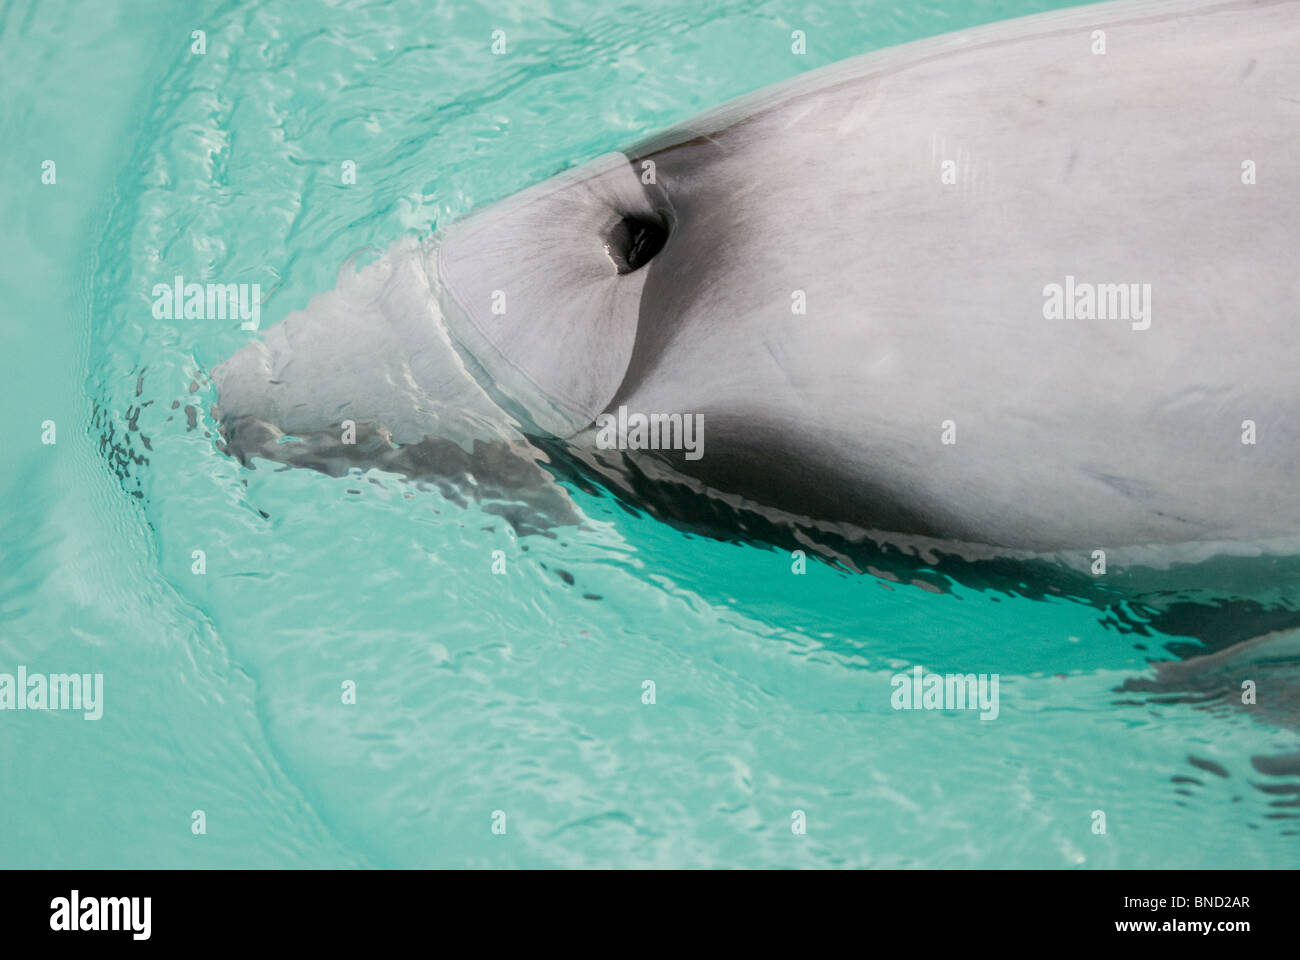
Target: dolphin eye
634,241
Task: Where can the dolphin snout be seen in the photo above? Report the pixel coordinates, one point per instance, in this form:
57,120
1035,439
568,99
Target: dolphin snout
246,409
243,381
358,371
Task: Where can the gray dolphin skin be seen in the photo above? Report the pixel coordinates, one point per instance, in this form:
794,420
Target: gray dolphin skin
1034,286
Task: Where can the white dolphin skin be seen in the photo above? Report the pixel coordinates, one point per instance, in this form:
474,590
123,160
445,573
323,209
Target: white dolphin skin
923,201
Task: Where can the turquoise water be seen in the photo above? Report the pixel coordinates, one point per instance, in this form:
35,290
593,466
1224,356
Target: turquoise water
477,692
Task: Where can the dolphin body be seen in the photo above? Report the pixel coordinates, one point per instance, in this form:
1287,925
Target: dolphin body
1029,289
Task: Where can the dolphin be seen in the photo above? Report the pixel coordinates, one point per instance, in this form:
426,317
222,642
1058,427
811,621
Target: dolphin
1025,290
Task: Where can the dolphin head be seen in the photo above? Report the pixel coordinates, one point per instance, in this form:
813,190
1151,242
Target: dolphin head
443,357
523,313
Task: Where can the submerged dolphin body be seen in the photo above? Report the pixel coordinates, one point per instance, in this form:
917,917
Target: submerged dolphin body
998,292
